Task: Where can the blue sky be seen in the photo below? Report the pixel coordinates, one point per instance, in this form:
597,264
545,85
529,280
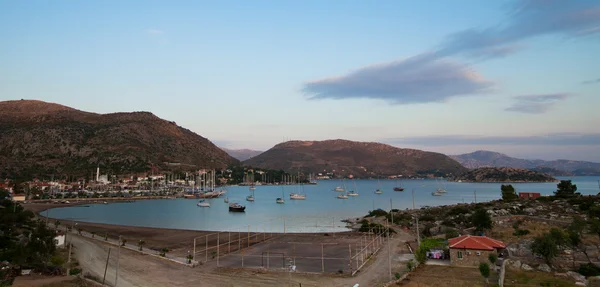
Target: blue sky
519,77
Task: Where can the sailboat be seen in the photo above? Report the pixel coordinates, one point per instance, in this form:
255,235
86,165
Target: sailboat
298,196
437,193
203,203
398,187
226,200
342,196
280,200
251,196
441,188
378,190
352,192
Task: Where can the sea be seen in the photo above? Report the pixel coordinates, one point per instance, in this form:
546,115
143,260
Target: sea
321,211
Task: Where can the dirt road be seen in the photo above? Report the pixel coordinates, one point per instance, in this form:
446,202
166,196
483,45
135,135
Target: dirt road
136,269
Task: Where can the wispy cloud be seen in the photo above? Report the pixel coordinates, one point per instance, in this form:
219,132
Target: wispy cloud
536,104
526,19
154,32
554,139
596,81
395,82
415,80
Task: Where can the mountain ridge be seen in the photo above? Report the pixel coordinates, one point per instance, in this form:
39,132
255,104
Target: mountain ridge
42,138
483,158
242,154
357,158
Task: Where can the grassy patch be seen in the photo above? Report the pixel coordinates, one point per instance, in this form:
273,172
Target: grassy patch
521,278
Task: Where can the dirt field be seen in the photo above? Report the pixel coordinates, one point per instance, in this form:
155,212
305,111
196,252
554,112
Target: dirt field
523,278
303,251
446,276
142,270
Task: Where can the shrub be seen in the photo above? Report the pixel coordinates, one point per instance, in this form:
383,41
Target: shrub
398,275
75,271
451,233
426,217
521,232
588,269
377,213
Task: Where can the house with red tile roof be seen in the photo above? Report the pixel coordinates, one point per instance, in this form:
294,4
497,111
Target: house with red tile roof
469,250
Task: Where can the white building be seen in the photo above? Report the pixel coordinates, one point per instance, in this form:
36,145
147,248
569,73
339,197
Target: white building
59,239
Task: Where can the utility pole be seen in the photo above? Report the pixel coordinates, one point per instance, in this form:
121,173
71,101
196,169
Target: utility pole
475,195
106,267
69,260
391,212
389,250
118,255
417,220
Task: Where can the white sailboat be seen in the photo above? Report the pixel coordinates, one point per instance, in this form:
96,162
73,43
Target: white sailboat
342,196
352,192
280,200
203,203
378,190
441,188
298,196
251,196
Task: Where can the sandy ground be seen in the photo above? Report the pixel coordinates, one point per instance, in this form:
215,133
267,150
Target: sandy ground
136,269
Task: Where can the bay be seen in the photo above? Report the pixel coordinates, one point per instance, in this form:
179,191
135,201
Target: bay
320,212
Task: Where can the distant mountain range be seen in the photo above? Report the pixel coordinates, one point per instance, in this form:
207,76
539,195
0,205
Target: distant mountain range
242,154
42,139
559,167
362,159
503,174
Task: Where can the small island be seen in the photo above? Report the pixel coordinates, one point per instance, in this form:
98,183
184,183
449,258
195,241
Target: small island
503,174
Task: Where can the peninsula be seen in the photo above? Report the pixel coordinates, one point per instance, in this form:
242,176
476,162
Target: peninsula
503,174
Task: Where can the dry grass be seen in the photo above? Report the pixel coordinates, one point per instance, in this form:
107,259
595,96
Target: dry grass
524,278
505,231
446,276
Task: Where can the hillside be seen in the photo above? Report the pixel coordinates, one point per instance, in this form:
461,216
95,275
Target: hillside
40,138
242,154
503,174
357,158
493,159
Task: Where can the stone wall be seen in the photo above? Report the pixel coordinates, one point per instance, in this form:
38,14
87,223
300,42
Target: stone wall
469,257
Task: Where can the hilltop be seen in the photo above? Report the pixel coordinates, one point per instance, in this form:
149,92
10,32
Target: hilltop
503,174
484,158
41,139
242,154
361,159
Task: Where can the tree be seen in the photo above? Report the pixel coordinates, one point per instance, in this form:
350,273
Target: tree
545,246
484,269
56,224
163,252
595,226
426,245
493,258
123,241
508,193
451,233
481,220
566,189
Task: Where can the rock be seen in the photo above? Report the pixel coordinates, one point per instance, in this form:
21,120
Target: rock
526,267
515,264
529,210
579,283
578,277
545,268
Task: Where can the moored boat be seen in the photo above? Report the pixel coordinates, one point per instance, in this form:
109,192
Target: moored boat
203,203
342,196
236,207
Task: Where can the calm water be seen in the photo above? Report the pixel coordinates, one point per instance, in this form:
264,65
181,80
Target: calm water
321,211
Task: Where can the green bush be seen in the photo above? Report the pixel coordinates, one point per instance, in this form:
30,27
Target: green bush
521,232
377,213
75,271
588,270
56,260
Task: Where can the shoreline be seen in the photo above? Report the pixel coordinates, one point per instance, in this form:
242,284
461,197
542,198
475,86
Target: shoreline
178,241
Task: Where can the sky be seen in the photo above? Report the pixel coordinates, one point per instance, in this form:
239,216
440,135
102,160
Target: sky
518,77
